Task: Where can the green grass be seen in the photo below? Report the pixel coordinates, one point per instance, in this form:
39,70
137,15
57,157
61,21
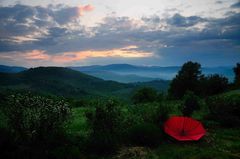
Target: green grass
219,143
78,125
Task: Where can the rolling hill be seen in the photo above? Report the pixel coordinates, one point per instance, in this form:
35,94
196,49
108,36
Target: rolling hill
70,83
59,81
11,69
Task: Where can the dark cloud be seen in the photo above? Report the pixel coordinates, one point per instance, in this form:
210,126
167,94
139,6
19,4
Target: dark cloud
66,15
236,5
153,19
181,21
23,25
219,2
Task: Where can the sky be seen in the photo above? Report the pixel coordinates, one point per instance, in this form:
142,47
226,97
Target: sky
100,32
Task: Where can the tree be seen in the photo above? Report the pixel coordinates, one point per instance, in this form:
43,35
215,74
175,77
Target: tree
190,103
187,79
145,95
237,75
213,84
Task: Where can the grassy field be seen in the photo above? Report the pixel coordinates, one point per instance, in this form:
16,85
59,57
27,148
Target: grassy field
219,143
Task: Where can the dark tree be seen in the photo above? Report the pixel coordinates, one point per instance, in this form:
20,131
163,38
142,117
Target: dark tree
237,75
190,103
213,84
145,95
187,79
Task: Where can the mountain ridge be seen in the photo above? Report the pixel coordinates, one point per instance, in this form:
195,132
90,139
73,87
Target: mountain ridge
127,73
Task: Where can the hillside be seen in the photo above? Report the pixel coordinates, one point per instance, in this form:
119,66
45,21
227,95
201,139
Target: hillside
160,85
11,69
59,81
129,78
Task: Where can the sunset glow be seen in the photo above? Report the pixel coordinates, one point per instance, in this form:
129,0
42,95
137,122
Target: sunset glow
86,8
68,57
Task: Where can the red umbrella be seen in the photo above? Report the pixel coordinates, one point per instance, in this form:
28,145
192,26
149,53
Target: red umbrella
184,128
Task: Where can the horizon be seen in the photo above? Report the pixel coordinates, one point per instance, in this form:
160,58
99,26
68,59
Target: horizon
225,66
149,33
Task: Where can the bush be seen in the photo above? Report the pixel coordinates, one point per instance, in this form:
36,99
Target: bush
145,134
105,123
32,117
155,113
225,109
190,104
213,84
144,95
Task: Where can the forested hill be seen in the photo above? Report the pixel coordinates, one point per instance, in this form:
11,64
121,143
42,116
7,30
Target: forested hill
59,81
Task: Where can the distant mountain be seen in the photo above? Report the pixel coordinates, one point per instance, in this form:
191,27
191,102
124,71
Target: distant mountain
59,81
129,78
11,69
118,71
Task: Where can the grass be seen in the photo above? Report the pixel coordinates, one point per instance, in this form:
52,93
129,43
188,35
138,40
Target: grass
219,143
78,125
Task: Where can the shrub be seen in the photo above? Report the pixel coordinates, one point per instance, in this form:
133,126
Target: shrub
190,104
145,95
32,118
225,109
105,123
155,113
145,134
213,84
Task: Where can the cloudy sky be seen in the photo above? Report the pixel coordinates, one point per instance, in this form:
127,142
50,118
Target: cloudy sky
139,32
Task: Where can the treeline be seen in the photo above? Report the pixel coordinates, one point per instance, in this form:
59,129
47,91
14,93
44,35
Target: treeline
190,78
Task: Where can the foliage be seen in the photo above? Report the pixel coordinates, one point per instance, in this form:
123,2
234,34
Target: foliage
145,134
187,79
105,123
213,84
237,75
225,109
190,78
144,95
190,103
32,118
155,113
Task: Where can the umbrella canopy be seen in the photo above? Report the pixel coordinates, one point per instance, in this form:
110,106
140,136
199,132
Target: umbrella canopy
184,128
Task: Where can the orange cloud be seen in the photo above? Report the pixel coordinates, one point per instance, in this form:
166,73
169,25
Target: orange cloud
30,55
36,55
126,52
86,8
